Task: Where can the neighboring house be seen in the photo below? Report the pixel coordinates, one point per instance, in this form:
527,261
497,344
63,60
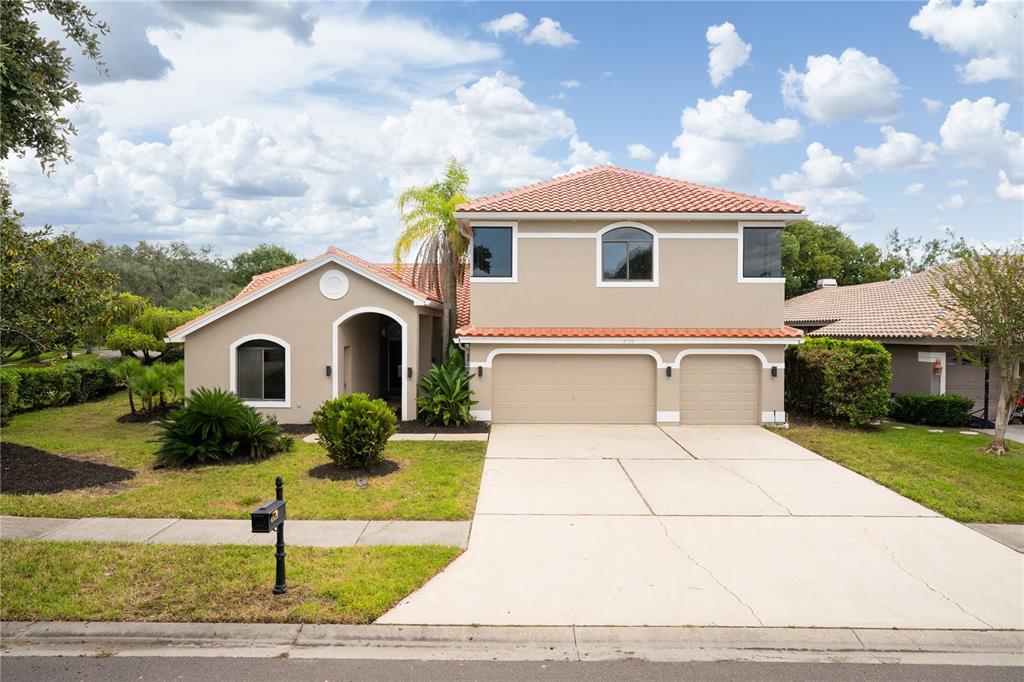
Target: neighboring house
600,296
903,316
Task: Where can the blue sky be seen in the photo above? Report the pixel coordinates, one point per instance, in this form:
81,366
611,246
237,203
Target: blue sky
298,123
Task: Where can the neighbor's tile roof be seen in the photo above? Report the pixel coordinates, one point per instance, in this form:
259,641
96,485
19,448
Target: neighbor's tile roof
618,190
898,308
629,332
403,277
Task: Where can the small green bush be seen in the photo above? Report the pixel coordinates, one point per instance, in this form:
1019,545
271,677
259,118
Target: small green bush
934,410
62,384
845,381
8,395
214,425
446,397
354,429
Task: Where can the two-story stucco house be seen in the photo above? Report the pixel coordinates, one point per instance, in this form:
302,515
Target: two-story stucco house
606,295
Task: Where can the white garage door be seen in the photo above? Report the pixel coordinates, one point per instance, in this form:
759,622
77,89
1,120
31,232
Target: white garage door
719,389
567,389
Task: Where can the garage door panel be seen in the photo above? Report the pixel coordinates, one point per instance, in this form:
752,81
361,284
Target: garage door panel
719,389
616,389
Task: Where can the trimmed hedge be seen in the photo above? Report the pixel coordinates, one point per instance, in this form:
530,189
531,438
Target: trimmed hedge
32,388
838,380
934,410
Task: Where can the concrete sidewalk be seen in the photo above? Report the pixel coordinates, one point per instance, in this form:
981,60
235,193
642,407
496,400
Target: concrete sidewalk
560,643
232,532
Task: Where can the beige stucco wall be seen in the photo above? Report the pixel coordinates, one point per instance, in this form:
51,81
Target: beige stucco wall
300,315
359,354
557,283
667,388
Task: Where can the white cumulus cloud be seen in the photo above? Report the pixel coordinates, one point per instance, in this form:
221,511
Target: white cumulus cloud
571,83
989,33
933,106
915,189
900,151
954,202
640,151
975,135
726,52
716,133
1009,190
549,32
824,185
852,86
515,23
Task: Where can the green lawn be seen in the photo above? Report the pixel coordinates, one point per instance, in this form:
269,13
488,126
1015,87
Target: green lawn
433,480
230,583
948,472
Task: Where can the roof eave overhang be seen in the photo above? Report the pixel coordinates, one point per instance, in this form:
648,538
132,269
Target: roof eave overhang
786,218
631,340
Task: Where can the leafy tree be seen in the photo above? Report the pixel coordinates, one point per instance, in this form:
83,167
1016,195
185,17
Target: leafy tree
811,252
35,77
914,254
263,258
52,289
984,293
428,220
145,331
128,340
171,273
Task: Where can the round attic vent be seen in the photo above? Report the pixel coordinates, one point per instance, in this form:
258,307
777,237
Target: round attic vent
333,284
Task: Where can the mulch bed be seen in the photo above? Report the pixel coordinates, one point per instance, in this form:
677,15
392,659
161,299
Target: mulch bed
26,470
420,426
146,416
298,429
335,472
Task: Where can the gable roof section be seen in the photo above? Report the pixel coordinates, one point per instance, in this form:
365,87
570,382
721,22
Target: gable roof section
607,189
260,285
898,308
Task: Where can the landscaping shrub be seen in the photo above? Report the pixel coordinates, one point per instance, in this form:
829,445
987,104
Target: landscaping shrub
446,396
354,429
33,388
155,385
838,380
215,425
934,410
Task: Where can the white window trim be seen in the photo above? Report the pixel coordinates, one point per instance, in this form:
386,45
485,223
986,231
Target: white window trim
599,240
930,358
335,365
739,254
515,252
233,370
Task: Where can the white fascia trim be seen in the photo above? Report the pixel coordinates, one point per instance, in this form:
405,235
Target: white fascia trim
663,416
312,265
405,351
923,356
619,341
739,253
785,218
486,364
515,252
723,351
233,370
598,242
480,415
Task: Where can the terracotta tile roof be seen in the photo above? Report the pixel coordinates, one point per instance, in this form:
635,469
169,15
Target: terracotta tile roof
618,190
402,277
899,308
629,332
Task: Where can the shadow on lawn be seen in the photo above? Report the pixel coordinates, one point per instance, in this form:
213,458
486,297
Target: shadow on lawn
333,472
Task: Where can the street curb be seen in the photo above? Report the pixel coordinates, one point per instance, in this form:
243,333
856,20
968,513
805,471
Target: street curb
531,643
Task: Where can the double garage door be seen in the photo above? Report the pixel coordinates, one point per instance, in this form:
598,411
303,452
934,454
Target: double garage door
620,389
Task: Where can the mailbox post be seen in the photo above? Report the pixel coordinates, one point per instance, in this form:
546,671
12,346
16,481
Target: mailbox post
270,517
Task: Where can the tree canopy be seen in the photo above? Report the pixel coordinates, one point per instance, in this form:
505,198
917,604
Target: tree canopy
263,258
811,252
170,275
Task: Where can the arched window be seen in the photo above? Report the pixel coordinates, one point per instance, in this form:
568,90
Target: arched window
627,255
262,371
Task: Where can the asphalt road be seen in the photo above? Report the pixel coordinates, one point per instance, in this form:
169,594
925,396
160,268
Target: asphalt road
49,669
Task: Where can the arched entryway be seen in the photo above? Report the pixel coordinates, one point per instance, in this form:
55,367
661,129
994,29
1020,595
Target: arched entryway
371,351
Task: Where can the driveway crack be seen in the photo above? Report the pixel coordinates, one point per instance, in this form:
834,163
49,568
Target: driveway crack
897,564
753,483
708,571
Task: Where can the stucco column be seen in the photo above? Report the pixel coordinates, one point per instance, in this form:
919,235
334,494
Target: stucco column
666,395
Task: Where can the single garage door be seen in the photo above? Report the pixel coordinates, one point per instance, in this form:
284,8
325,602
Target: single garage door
566,389
719,389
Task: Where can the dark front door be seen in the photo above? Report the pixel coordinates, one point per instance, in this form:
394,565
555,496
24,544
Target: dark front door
394,359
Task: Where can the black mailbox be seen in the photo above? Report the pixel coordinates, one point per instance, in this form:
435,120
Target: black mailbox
268,517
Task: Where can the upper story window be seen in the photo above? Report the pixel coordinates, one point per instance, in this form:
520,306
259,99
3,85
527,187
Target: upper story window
762,252
492,252
261,371
627,255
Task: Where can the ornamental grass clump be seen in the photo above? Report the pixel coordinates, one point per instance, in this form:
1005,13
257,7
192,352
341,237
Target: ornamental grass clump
354,429
215,425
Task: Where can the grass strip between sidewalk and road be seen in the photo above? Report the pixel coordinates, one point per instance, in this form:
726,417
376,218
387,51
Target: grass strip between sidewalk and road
420,480
108,581
948,472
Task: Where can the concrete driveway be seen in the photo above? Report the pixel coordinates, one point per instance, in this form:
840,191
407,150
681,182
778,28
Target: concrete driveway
736,526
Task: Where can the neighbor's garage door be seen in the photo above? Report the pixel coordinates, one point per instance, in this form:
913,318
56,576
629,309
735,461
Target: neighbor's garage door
564,389
719,389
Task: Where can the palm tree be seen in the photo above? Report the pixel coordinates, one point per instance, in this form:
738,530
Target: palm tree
428,223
